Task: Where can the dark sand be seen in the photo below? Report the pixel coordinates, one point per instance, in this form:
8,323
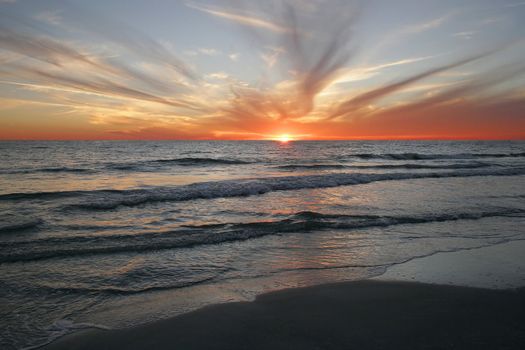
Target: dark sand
353,315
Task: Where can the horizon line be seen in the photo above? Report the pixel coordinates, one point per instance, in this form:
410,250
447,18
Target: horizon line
521,138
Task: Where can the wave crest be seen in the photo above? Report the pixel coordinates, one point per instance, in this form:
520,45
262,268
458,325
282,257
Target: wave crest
475,165
421,156
11,224
190,236
103,200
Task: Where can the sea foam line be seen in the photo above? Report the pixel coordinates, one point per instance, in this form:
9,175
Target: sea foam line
111,199
328,166
47,248
103,200
422,156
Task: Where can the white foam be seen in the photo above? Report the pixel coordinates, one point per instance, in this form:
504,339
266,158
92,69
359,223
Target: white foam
257,186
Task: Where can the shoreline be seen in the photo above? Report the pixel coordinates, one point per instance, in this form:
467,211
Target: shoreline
420,297
361,314
499,266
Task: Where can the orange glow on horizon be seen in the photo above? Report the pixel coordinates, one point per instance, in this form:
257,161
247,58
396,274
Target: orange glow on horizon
274,87
284,138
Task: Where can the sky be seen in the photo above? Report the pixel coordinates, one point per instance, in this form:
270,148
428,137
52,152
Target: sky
241,69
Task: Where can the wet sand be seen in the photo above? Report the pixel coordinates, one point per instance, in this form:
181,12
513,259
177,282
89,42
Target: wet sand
350,315
499,266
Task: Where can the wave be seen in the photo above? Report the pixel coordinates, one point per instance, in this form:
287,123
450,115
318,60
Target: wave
310,166
139,166
15,224
190,236
186,161
204,161
421,156
133,290
111,199
63,327
103,200
48,170
47,195
384,166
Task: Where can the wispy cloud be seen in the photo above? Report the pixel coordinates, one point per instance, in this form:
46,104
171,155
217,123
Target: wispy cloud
62,55
271,56
427,25
467,35
240,18
355,103
50,17
126,37
234,56
131,85
401,35
218,75
362,73
209,52
81,78
315,61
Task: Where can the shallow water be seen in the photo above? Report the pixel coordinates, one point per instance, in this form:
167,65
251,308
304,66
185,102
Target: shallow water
113,234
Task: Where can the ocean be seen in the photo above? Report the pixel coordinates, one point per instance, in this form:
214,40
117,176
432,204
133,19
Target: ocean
112,234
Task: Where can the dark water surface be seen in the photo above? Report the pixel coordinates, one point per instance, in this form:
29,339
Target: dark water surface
112,234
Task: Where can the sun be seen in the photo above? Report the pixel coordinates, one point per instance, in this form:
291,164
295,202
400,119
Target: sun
284,138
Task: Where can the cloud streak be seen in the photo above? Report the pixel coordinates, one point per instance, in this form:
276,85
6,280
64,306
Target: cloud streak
301,75
362,100
239,18
316,60
291,103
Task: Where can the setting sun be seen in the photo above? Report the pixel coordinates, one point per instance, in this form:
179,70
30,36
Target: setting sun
284,138
342,155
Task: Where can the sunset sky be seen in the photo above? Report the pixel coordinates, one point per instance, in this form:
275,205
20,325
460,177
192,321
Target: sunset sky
310,69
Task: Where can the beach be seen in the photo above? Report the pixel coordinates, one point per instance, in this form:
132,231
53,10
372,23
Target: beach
352,315
113,237
240,174
371,314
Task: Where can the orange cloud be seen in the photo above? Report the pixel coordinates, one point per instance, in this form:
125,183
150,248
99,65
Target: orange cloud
64,90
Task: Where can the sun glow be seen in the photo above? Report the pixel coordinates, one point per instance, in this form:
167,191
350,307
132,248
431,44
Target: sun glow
284,138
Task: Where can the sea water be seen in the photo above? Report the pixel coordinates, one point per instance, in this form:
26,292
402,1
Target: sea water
114,234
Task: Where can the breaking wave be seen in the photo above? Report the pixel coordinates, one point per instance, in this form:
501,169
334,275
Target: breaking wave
476,165
140,165
103,200
48,170
187,161
420,156
15,224
190,236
